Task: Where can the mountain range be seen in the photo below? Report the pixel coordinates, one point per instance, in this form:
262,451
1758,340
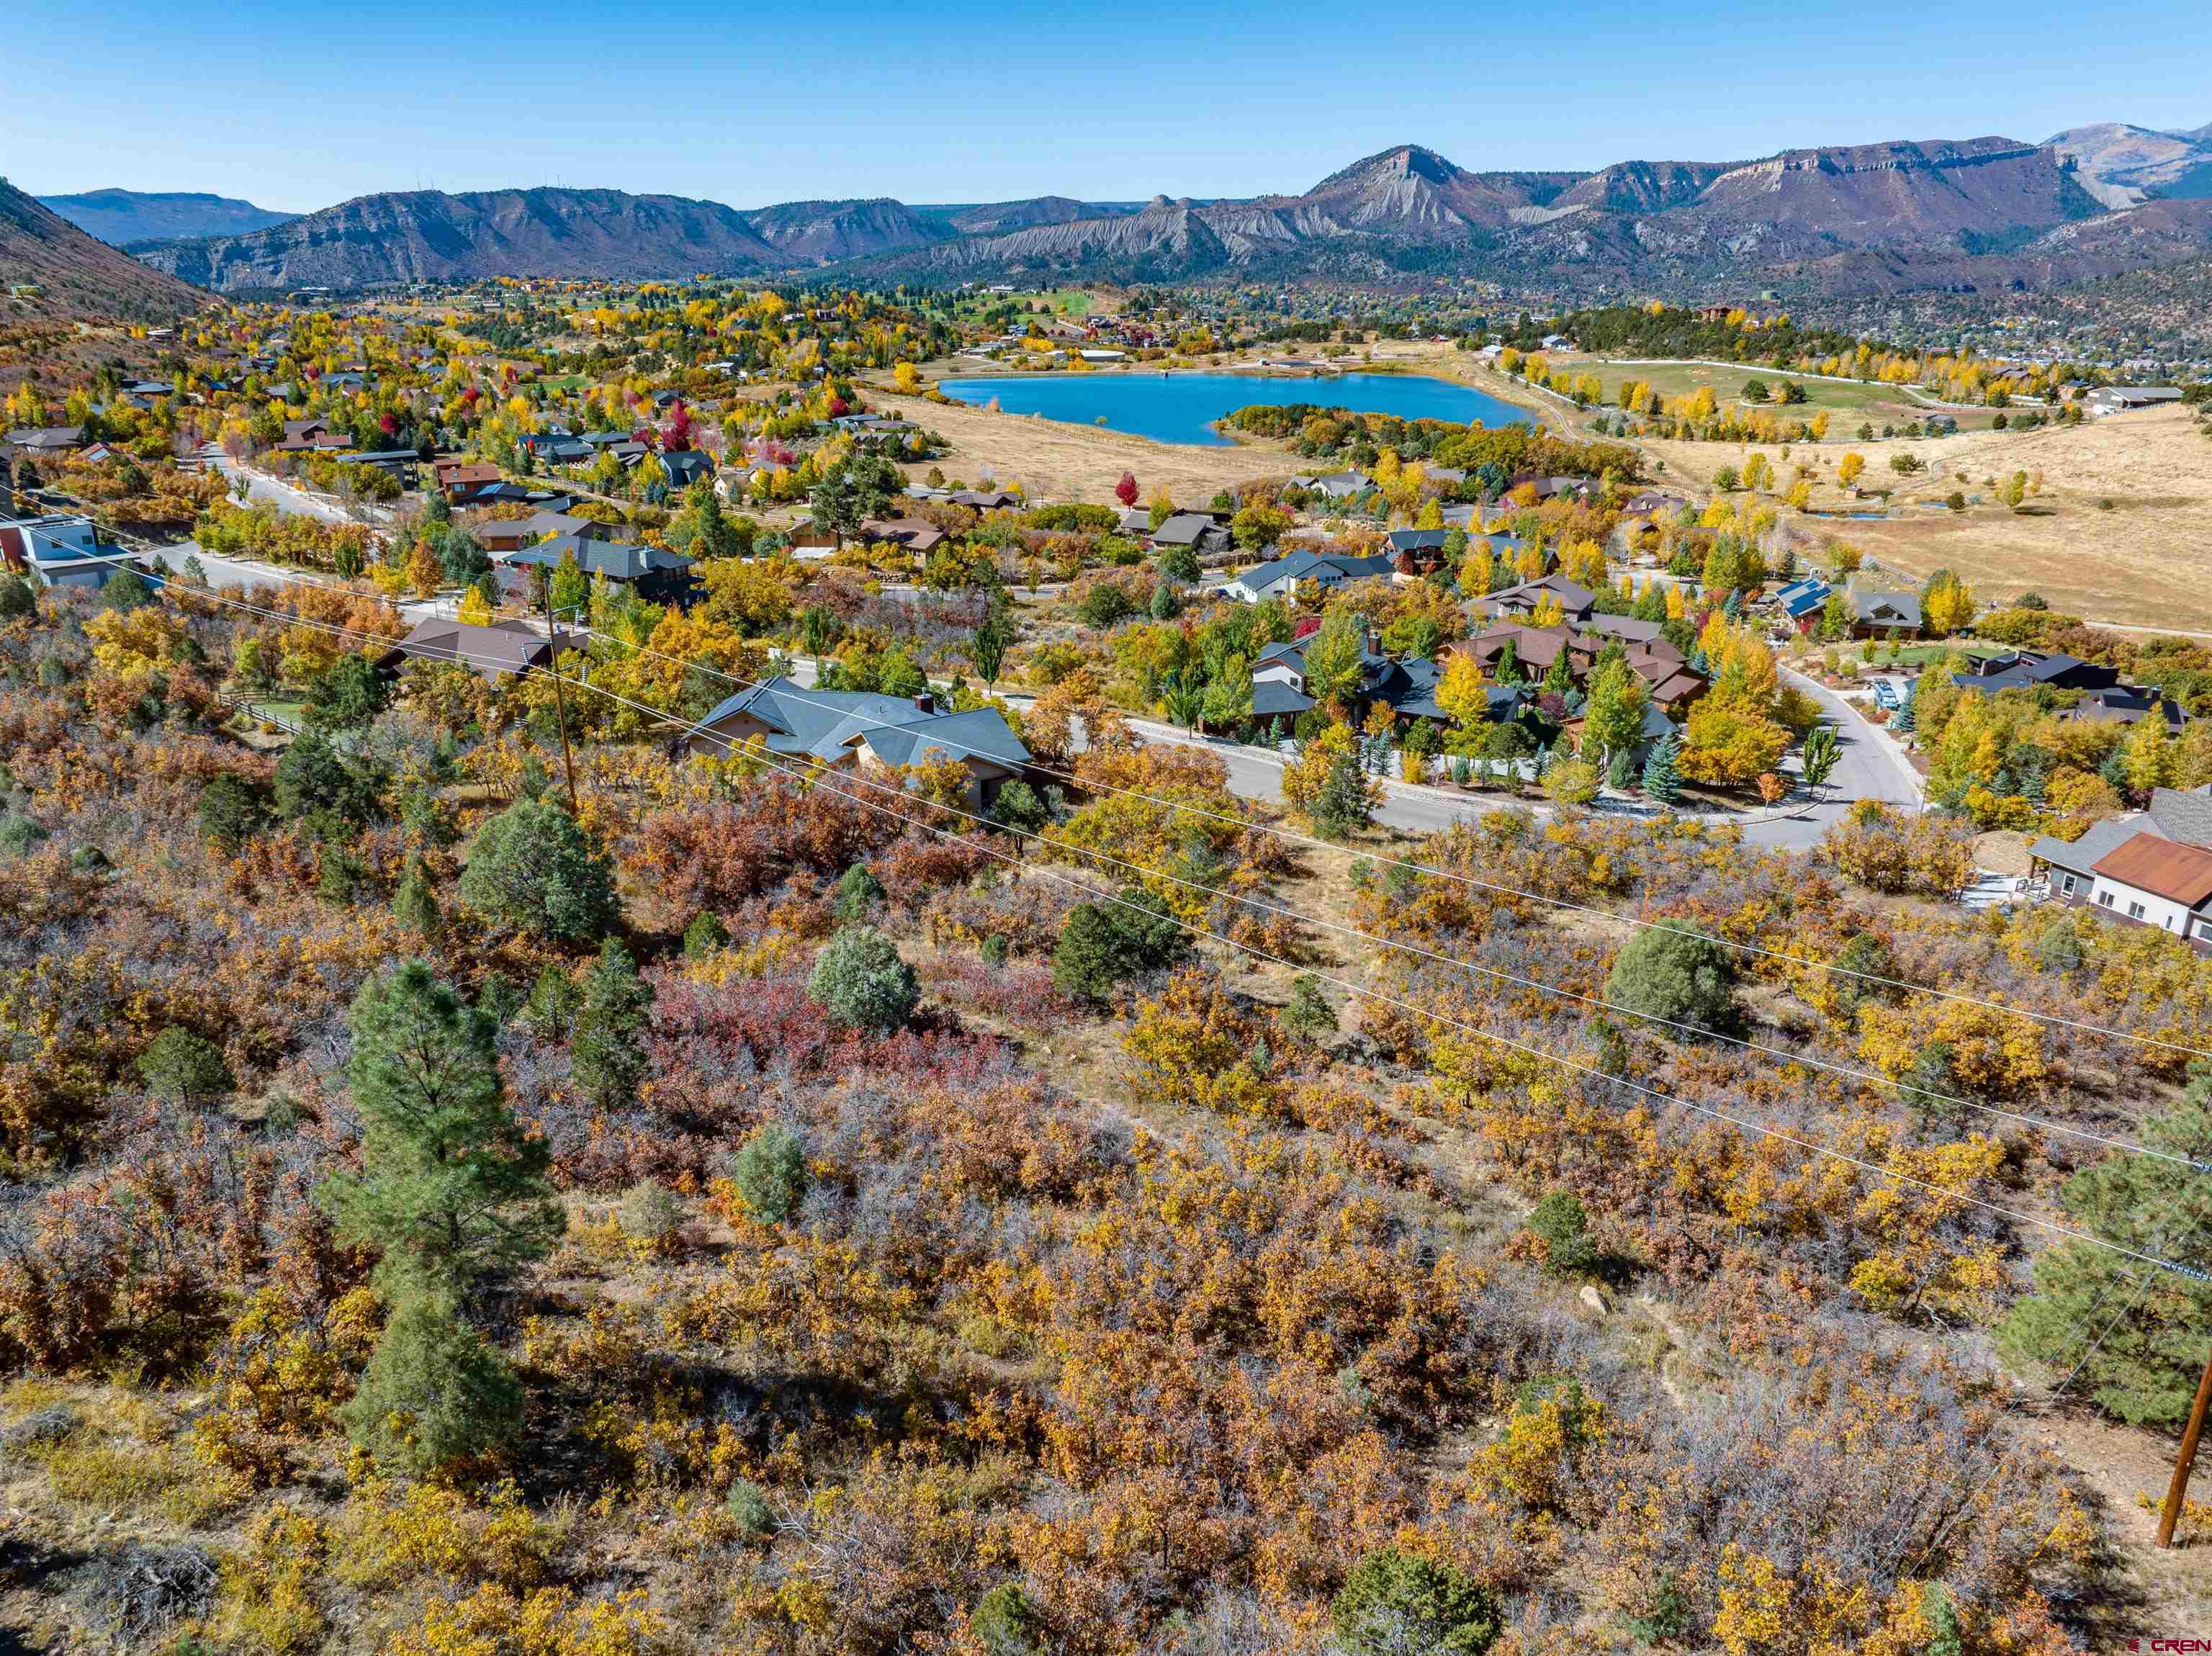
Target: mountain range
66,275
1980,214
2123,165
120,217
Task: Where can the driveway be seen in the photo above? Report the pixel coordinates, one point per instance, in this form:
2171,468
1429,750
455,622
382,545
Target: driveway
235,574
1870,765
285,497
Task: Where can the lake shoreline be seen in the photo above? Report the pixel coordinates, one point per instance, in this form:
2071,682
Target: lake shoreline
1186,406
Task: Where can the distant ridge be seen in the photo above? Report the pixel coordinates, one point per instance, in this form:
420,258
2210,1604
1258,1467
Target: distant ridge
1879,218
120,217
78,276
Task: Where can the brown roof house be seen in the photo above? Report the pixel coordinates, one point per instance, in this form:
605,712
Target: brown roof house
508,646
2149,881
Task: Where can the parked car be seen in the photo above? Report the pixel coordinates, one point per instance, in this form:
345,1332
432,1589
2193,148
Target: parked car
1885,695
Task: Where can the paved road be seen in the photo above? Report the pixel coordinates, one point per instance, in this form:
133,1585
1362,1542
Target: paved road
235,574
284,496
1870,767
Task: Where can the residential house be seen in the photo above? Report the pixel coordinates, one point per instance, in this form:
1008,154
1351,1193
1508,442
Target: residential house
467,485
498,534
2124,704
986,500
1340,485
557,448
2182,814
46,440
1417,551
312,436
1286,576
58,550
1196,529
863,731
918,535
1803,602
399,462
2149,881
2028,669
874,430
686,466
1280,690
1671,686
654,574
1510,604
1885,615
2101,698
507,646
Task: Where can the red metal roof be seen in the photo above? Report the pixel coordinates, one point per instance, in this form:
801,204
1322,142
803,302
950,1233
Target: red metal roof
2165,868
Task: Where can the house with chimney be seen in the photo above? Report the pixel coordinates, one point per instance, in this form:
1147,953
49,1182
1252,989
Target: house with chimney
864,732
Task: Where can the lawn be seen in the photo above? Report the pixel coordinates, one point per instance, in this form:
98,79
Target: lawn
1848,402
277,713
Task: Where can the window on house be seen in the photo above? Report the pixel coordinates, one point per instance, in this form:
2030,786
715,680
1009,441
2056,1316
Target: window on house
2067,886
2106,898
2134,911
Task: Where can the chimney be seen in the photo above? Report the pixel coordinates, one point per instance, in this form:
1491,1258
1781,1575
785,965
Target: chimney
925,702
1374,642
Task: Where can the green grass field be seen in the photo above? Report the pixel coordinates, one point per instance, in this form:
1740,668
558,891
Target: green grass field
1061,302
1848,402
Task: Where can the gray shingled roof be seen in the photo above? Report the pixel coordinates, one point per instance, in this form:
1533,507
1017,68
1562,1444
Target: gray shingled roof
2079,856
819,724
2183,814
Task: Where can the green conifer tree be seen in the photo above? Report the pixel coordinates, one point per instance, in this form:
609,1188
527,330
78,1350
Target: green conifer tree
606,1055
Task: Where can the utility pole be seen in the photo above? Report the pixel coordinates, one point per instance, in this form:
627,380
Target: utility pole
2182,1462
561,703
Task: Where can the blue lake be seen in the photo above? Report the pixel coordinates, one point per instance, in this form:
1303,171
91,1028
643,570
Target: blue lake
1181,407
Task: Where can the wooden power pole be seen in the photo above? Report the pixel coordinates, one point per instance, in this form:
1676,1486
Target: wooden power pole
561,707
2182,1462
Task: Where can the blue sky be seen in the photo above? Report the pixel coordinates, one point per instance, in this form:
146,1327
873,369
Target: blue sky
297,106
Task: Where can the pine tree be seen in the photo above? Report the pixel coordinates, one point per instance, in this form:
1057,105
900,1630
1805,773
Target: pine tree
1662,777
859,894
434,1392
1346,801
413,903
859,980
770,1173
450,1188
2144,1369
533,868
606,1055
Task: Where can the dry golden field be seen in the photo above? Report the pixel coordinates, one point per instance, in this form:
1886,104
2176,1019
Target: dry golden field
2144,561
1057,461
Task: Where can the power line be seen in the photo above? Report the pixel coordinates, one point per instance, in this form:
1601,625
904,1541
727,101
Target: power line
1809,1060
1811,1146
1349,987
2056,1019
